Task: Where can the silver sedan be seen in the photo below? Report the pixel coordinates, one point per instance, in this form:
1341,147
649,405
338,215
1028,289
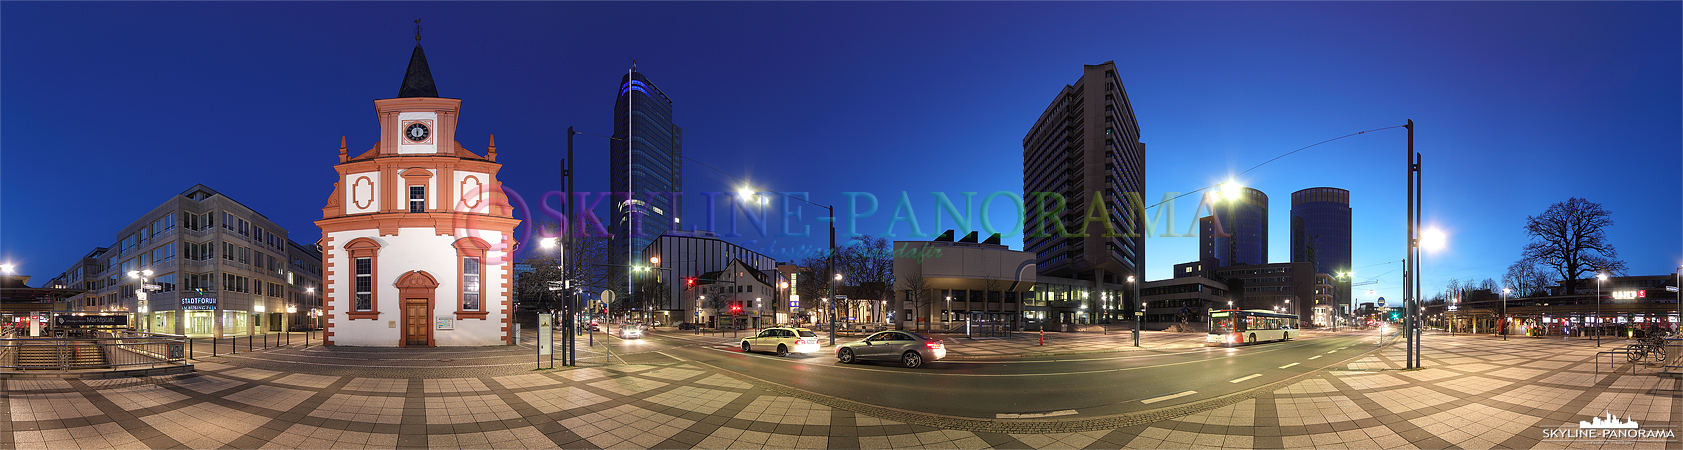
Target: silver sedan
910,349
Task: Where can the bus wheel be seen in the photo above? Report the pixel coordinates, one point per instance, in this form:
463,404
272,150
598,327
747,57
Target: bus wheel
1253,338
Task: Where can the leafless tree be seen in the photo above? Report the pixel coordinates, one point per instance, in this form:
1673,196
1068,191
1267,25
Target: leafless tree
1570,238
1526,279
585,269
917,294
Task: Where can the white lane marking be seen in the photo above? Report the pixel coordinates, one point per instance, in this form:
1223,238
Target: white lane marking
1331,352
1316,356
1247,377
1168,397
1288,365
1035,415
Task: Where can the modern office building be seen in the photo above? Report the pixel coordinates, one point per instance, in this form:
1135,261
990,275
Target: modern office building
219,267
1083,178
1320,234
942,283
1186,300
686,255
645,159
1238,231
416,234
1289,287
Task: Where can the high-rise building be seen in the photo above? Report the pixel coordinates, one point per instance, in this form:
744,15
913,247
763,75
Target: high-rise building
416,234
645,160
1320,234
1238,231
1084,155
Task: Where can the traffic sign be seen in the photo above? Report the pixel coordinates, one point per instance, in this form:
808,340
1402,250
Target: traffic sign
152,287
1671,288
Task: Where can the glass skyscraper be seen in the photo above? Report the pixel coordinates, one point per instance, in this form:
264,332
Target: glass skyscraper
1242,237
1320,232
645,160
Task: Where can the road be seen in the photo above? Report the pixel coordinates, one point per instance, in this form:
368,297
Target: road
1076,386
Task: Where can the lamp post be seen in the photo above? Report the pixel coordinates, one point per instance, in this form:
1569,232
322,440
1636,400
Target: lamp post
290,310
1599,277
144,275
831,209
1139,314
1454,305
1504,322
946,316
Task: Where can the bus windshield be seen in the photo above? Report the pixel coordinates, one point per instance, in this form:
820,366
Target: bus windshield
1220,325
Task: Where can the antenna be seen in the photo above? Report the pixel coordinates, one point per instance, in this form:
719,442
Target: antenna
417,31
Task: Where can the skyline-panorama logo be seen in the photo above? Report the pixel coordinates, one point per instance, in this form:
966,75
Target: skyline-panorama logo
1610,428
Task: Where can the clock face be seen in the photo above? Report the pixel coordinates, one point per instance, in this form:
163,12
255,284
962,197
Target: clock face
416,132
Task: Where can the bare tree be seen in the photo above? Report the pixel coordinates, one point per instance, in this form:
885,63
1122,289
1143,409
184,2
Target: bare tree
917,293
585,267
1570,238
1526,279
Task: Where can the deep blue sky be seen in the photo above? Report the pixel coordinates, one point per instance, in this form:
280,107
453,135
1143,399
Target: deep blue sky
107,109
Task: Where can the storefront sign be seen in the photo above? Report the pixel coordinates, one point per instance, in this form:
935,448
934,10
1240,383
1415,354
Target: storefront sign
82,321
199,303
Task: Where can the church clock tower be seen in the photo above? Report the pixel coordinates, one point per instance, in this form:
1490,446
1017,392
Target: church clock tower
417,232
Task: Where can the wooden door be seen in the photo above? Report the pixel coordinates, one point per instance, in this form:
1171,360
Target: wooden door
415,322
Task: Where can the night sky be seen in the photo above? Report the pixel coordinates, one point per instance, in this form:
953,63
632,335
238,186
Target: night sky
108,109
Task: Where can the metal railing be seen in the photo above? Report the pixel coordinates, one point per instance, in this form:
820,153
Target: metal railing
104,351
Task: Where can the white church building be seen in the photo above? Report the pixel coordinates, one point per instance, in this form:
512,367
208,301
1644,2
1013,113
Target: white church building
417,233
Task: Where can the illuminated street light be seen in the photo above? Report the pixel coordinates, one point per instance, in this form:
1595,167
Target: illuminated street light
1505,320
1432,239
1599,277
548,242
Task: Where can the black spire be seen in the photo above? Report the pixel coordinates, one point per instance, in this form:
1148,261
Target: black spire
417,81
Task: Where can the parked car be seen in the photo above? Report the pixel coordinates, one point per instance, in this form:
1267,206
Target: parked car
686,326
783,340
911,349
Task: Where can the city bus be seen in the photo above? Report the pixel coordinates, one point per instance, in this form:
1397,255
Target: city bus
1234,327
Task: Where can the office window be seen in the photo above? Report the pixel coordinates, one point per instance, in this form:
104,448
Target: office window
229,252
417,199
245,228
228,220
365,284
470,284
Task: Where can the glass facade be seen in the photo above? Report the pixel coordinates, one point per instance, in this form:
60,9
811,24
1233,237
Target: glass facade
1320,217
645,160
1238,232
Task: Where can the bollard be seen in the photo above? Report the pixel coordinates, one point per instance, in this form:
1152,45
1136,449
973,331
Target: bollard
1042,336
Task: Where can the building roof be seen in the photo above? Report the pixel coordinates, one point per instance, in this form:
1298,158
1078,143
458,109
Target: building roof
417,81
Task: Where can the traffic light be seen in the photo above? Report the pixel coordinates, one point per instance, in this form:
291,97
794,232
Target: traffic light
735,308
689,282
1396,315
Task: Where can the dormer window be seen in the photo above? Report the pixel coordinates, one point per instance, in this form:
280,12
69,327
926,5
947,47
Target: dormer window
417,199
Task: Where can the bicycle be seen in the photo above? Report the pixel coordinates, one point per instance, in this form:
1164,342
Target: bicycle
1649,347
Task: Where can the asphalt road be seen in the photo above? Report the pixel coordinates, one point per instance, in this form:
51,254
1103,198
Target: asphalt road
1079,386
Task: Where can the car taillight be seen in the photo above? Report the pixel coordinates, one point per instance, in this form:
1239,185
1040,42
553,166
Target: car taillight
936,344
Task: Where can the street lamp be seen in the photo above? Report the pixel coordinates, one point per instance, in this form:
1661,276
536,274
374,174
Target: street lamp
1505,321
1454,304
144,275
831,209
1138,315
1600,277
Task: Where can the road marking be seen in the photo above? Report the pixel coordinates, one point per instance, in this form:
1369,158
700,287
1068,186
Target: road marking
1035,415
1247,377
1344,347
1168,397
1288,365
1316,356
1331,352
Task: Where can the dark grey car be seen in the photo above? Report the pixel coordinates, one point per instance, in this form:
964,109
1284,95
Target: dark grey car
910,349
